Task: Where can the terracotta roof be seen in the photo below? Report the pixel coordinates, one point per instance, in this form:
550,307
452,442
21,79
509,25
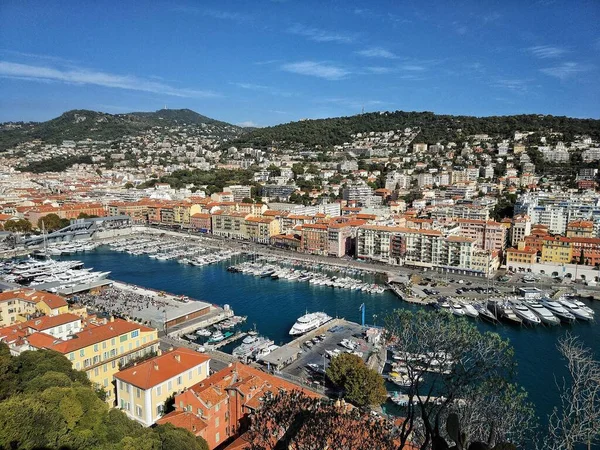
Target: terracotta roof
46,322
30,295
161,368
200,216
41,340
184,419
95,335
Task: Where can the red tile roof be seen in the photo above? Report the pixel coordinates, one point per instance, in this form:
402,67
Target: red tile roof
162,368
184,419
46,322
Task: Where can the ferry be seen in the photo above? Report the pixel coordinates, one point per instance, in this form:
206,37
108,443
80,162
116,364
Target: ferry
309,322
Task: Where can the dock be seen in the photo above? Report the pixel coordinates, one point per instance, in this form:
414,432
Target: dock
229,340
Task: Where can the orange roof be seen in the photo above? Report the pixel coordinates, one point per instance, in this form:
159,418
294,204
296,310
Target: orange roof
201,216
315,226
161,368
525,251
95,335
46,322
581,224
41,340
30,295
401,230
184,419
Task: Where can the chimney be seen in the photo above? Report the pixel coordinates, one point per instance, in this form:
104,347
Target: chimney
112,319
155,366
177,357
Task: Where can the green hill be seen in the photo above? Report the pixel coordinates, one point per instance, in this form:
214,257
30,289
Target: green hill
434,128
84,124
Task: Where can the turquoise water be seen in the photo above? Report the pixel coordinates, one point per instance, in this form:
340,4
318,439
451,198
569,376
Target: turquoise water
274,306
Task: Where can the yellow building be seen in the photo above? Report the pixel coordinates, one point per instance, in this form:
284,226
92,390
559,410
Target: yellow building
557,249
520,256
100,350
260,229
142,390
17,306
581,228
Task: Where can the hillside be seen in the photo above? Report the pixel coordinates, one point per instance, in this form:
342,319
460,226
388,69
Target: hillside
83,124
434,128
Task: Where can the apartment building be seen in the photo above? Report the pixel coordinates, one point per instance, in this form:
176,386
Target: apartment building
229,224
201,222
239,192
260,229
143,389
99,350
580,228
488,235
218,407
21,304
520,256
315,239
520,229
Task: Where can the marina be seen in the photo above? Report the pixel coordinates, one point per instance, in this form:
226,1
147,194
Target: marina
273,307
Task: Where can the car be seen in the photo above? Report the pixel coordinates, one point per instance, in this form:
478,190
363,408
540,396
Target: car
459,291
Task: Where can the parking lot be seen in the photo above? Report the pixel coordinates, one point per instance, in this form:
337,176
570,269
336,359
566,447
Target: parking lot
315,345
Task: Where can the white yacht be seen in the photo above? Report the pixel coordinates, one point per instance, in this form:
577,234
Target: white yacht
558,310
309,322
544,314
250,346
574,309
525,313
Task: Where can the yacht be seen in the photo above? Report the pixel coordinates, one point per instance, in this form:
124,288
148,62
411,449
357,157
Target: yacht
578,303
525,313
504,311
250,346
485,313
574,309
457,309
470,310
309,322
544,314
558,310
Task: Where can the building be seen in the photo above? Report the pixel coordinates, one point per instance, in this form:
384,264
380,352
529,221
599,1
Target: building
201,222
100,350
22,304
143,389
260,229
557,249
580,228
229,224
315,239
521,256
487,234
358,192
218,407
239,192
520,229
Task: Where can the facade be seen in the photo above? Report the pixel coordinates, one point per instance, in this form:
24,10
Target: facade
580,228
358,192
315,239
100,350
231,225
520,229
218,407
143,389
260,229
21,304
201,222
488,235
521,256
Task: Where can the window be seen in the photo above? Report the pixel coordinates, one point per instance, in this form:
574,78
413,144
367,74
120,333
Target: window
217,437
106,382
130,346
135,333
137,343
170,386
120,385
114,364
190,374
105,367
138,410
160,409
123,338
216,421
121,350
103,344
144,340
159,389
71,356
127,388
217,407
113,341
199,370
82,352
95,347
105,355
96,372
138,393
179,381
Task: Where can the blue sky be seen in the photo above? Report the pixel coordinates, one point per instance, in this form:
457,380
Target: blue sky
261,62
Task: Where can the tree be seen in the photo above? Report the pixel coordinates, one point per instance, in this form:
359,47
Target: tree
18,226
362,386
469,372
128,185
50,222
293,420
247,200
578,419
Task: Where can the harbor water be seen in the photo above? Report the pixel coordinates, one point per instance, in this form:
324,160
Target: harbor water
274,305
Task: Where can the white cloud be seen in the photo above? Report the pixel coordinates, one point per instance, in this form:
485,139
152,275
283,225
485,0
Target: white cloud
319,35
379,70
565,70
547,51
92,77
248,123
352,103
317,69
214,13
377,52
512,84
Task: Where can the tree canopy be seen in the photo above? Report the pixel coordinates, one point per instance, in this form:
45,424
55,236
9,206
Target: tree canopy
362,386
45,403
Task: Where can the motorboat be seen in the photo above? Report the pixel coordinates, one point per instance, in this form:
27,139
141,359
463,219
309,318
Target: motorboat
558,310
203,332
544,314
309,322
525,313
504,311
219,336
578,303
469,310
457,309
485,313
574,309
250,346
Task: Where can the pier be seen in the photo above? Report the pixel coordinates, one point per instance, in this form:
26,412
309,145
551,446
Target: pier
229,340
